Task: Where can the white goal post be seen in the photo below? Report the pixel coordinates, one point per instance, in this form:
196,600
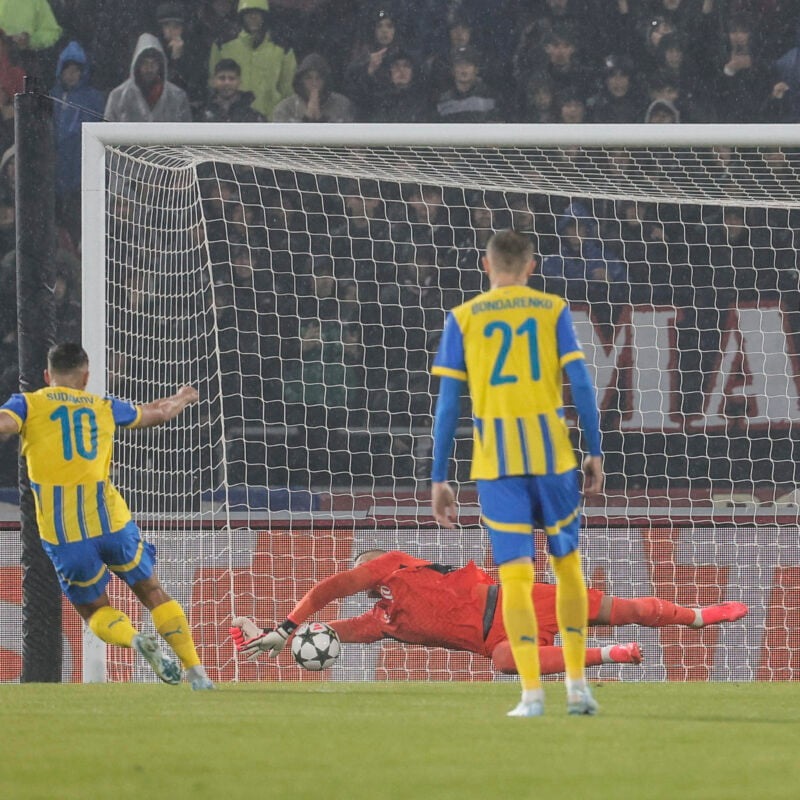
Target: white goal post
299,275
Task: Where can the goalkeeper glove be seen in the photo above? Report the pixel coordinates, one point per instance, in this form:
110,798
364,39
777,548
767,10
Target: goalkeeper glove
252,640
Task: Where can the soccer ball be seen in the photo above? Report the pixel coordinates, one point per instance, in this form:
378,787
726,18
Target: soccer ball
315,646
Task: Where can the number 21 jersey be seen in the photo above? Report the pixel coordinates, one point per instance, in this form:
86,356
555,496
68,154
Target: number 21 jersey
510,345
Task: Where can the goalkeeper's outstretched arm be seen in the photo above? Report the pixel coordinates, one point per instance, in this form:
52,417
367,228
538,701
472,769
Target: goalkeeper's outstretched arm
251,641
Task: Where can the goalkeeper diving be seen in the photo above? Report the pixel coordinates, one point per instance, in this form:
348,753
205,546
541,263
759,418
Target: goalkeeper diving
420,602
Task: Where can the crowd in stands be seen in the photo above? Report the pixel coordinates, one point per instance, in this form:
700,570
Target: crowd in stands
375,271
331,293
567,61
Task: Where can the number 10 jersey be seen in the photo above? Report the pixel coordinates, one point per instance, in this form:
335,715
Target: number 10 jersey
67,439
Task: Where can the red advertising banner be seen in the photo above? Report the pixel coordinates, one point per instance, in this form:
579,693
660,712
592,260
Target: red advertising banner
262,573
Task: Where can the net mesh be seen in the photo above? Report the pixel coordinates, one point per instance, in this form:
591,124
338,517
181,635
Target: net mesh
262,571
303,290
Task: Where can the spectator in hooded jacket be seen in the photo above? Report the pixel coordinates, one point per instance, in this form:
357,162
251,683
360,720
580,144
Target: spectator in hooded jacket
663,86
618,100
147,96
267,68
313,100
367,74
79,103
662,111
679,65
564,64
227,102
405,98
187,65
743,78
460,34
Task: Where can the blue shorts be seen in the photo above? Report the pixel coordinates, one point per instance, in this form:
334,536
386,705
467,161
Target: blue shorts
83,567
512,507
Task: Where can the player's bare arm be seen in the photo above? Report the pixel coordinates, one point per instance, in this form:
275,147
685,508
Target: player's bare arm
167,408
8,425
443,501
592,475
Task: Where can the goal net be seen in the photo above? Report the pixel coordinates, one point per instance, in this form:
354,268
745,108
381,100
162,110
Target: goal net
301,283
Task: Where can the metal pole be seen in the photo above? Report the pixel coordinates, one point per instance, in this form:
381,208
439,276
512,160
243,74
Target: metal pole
42,648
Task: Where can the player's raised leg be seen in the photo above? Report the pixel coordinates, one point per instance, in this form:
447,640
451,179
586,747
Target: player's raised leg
171,623
133,560
115,627
83,576
166,669
653,612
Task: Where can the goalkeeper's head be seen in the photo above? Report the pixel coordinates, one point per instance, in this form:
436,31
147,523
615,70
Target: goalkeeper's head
67,365
509,257
368,555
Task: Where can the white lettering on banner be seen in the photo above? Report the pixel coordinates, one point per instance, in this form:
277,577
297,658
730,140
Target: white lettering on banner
756,372
604,359
653,375
725,392
772,377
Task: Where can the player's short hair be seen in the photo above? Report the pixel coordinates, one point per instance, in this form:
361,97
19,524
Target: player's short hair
369,552
509,251
227,65
66,357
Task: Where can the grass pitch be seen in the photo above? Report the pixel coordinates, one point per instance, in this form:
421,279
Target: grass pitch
400,740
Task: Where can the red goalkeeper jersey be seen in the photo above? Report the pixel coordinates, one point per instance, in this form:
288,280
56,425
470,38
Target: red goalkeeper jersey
429,604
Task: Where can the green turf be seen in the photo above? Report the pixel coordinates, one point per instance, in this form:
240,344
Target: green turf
418,740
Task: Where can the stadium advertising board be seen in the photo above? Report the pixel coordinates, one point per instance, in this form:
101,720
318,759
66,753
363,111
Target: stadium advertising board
265,571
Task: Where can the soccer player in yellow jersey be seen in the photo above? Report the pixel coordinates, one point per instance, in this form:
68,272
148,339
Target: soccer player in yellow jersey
85,525
511,345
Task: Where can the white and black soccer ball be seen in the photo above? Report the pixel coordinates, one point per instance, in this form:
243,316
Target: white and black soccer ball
315,646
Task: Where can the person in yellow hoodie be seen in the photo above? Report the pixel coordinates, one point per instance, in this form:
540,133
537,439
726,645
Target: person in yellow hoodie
267,68
31,24
32,27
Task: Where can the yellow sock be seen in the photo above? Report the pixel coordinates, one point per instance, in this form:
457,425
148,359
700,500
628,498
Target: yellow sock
520,622
572,608
112,626
171,623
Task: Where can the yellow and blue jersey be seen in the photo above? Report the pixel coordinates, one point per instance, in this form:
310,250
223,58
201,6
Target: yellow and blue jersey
67,439
510,344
